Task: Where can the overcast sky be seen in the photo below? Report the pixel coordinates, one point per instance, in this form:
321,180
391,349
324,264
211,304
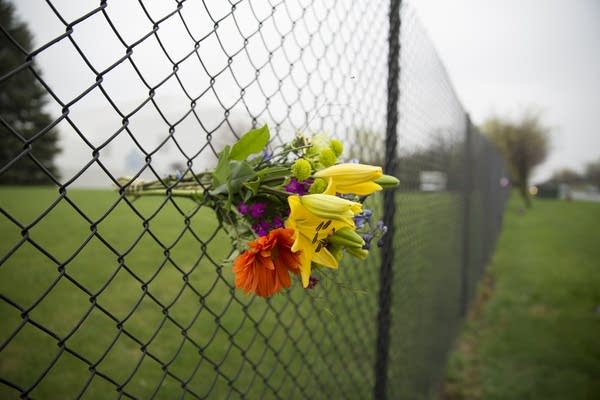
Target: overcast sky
504,56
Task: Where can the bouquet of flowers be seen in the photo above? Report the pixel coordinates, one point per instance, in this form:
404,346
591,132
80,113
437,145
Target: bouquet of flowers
288,210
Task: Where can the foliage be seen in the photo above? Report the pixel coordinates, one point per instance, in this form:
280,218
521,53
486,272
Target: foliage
367,146
24,133
444,154
592,173
264,197
566,175
524,144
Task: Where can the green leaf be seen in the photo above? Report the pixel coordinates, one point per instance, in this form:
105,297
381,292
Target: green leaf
271,198
221,174
241,172
274,171
247,196
253,141
221,189
253,186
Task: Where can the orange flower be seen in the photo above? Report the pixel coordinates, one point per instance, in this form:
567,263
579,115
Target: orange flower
264,268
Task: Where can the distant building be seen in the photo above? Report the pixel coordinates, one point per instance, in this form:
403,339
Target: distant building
433,181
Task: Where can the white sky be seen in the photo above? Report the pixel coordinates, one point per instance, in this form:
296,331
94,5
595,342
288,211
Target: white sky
504,56
317,74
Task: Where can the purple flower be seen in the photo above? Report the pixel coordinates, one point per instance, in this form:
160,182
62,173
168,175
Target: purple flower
312,282
244,208
382,227
267,154
359,221
363,218
257,209
294,186
261,228
277,222
367,237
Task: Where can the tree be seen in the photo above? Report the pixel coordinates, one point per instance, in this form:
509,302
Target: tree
367,146
443,154
566,175
592,173
524,144
23,139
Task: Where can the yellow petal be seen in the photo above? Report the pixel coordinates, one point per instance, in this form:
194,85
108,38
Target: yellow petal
360,189
331,207
305,258
314,218
351,172
325,258
351,178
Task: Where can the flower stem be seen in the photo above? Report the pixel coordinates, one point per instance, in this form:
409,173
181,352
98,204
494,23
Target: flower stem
196,195
276,191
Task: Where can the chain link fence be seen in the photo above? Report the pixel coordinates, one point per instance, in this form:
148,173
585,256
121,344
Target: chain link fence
105,297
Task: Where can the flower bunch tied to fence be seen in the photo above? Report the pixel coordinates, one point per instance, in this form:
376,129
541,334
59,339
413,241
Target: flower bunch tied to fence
290,210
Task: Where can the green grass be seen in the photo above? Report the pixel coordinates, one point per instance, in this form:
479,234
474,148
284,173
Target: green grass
425,291
107,294
133,300
32,280
534,331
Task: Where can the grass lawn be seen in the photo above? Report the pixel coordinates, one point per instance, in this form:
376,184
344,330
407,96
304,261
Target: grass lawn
534,331
134,300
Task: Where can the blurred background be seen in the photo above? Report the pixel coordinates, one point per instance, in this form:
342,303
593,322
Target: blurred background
502,58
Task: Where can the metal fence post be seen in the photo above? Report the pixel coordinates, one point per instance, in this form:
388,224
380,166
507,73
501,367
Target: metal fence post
466,231
387,253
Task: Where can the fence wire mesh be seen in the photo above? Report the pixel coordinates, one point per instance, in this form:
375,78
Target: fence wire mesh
105,297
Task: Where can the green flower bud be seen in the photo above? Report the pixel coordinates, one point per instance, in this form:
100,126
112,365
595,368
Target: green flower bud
347,237
300,141
337,147
301,169
336,252
320,141
327,157
318,186
359,253
387,181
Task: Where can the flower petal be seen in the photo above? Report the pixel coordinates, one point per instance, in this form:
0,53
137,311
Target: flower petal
264,268
325,258
351,172
314,218
351,178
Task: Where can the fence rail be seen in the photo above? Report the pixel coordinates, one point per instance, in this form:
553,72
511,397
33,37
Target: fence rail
102,296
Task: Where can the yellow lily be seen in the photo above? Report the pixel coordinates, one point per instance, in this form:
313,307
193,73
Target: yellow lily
314,218
351,178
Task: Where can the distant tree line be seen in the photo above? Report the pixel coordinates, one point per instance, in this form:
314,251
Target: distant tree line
443,153
590,175
27,146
